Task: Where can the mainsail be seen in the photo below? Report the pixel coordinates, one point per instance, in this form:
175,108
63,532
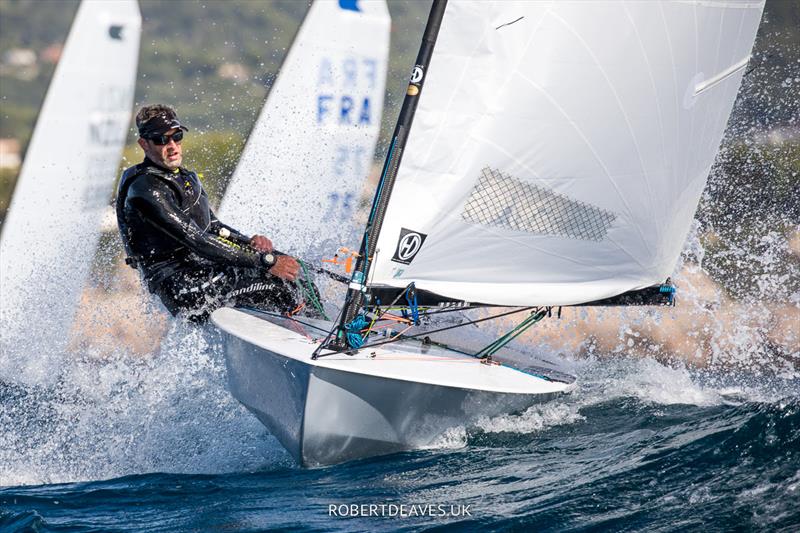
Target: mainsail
304,166
559,150
53,223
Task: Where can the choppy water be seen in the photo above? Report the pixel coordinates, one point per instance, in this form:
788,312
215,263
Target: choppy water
157,444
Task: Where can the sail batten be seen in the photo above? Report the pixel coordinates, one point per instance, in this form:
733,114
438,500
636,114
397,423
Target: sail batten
595,138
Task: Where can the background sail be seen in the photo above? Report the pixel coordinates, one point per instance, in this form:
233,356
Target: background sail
560,148
53,224
303,168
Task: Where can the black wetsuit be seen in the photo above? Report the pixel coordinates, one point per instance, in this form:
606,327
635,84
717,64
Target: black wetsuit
173,237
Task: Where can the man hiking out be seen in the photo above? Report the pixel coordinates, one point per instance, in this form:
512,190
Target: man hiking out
193,262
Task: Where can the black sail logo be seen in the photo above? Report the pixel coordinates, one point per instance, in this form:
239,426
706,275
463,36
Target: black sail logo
408,245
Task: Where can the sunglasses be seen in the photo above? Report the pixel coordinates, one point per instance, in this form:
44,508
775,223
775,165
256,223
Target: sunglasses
163,138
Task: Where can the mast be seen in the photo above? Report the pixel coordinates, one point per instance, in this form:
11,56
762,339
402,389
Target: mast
357,287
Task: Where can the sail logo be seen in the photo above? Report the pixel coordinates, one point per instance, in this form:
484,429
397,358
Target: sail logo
408,246
415,82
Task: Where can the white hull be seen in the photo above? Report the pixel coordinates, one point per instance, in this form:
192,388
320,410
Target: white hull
343,407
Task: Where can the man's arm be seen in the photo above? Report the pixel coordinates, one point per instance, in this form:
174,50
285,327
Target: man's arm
156,202
226,231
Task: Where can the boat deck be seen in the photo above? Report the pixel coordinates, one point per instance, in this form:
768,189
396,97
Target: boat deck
407,360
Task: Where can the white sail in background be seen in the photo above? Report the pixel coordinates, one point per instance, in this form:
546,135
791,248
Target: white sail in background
52,228
560,149
305,163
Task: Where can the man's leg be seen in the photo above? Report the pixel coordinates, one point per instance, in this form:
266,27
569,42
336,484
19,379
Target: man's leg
193,294
250,287
198,293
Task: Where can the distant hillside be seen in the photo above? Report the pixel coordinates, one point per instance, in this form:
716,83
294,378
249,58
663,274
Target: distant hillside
191,52
214,60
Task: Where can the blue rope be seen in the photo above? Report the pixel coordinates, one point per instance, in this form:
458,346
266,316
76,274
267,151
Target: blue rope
412,306
380,184
353,328
372,211
669,290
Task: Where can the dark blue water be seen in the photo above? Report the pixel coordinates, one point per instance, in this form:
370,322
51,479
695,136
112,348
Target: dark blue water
159,445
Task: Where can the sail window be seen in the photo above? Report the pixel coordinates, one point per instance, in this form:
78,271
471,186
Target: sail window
499,200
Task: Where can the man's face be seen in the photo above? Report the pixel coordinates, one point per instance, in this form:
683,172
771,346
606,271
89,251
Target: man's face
167,155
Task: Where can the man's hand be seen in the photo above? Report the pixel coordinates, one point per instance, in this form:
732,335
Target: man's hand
285,267
261,243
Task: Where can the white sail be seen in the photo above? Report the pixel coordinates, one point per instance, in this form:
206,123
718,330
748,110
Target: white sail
560,149
304,166
52,228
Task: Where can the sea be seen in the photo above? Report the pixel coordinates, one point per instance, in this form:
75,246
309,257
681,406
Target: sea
157,443
705,440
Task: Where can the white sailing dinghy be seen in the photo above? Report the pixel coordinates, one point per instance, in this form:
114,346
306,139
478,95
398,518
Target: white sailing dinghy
556,158
317,132
53,224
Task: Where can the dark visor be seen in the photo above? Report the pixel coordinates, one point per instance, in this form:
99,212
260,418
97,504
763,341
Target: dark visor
159,125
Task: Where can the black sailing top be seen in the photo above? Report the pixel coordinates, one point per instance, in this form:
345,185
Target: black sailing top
167,225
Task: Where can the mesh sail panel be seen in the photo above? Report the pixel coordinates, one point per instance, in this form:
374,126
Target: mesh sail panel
498,200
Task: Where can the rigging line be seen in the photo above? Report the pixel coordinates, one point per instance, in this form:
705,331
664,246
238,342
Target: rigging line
380,184
436,311
471,361
278,315
400,333
519,329
369,328
391,325
369,275
380,343
426,312
333,275
510,23
390,318
307,288
396,299
330,332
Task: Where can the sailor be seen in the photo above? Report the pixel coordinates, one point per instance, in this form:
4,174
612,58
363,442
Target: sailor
193,262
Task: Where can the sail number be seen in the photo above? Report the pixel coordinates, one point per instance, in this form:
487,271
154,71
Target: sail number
349,169
345,87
